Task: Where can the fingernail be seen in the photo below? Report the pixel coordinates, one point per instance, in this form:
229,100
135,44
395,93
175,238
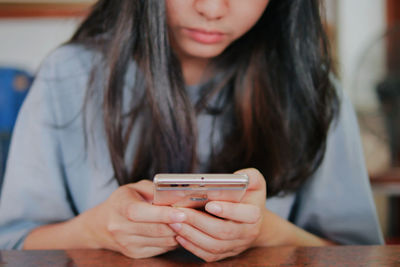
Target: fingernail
178,217
176,226
213,208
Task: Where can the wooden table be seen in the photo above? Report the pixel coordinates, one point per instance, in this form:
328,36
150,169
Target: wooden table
387,183
278,256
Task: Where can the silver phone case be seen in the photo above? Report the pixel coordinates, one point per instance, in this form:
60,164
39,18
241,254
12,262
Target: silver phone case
195,190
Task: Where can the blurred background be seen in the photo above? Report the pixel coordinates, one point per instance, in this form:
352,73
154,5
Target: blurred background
365,39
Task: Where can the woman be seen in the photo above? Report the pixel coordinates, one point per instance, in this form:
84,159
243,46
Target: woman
187,86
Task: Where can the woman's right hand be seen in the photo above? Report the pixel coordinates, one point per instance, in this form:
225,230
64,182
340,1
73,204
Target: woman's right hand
127,222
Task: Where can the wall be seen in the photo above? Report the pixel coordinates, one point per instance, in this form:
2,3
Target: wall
25,42
360,24
361,55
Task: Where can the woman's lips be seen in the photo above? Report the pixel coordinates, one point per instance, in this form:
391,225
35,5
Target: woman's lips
205,37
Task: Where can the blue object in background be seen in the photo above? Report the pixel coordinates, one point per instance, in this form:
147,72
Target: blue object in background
14,85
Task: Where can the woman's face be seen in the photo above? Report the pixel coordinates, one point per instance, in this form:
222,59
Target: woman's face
204,28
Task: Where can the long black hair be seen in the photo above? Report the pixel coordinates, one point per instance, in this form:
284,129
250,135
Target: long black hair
276,99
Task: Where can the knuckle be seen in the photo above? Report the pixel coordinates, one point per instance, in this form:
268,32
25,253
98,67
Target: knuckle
123,244
116,196
160,230
141,252
122,191
164,214
226,233
128,212
257,214
216,250
253,233
170,242
132,254
113,228
237,250
211,258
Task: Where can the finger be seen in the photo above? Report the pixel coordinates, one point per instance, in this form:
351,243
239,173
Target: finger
144,241
256,190
140,211
144,188
153,230
142,229
145,252
137,210
205,255
204,241
239,212
215,227
256,179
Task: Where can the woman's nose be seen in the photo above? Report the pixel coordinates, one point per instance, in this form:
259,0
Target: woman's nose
212,9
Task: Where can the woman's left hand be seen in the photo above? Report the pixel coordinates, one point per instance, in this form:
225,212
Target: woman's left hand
236,229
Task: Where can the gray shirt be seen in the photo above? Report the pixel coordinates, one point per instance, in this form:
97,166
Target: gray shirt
50,178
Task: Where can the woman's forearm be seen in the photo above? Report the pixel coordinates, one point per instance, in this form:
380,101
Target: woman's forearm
70,234
276,231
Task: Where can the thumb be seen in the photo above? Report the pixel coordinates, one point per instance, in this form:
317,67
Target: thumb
144,188
256,180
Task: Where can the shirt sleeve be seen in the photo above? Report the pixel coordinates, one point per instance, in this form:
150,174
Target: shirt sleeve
336,202
34,191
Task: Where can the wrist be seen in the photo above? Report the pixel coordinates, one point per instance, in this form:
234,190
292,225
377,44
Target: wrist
274,230
87,225
71,234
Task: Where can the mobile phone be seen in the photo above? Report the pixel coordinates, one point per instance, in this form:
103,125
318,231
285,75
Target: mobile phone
195,190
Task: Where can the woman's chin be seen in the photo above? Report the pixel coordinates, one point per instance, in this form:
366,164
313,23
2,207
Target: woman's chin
204,51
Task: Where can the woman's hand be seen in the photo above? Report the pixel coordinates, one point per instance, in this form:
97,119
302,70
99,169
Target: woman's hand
128,223
237,228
